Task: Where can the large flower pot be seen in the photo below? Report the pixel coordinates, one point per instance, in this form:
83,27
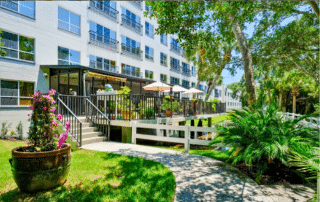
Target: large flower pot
126,115
40,171
169,113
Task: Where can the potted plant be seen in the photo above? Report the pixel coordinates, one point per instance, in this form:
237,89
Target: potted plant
43,164
124,104
169,105
149,112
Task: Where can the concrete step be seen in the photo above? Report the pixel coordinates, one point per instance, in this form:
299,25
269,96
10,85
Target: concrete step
92,140
87,129
91,134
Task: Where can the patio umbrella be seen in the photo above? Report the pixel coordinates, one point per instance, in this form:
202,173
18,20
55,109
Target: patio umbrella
157,86
177,88
193,91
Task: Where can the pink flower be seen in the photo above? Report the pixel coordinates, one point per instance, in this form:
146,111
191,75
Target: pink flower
59,116
53,102
44,108
44,133
52,109
52,91
31,107
28,114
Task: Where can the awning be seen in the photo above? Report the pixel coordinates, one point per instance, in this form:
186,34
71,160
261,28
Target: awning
108,77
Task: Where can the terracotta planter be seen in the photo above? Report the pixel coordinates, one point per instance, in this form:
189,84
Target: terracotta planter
40,171
126,115
169,113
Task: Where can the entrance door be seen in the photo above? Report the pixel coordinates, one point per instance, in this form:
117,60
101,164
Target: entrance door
88,88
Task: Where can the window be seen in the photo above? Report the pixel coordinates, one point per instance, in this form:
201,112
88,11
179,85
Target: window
101,63
175,62
163,59
216,93
205,88
102,34
22,7
163,39
200,87
174,46
15,92
225,92
193,71
149,29
130,70
68,21
130,45
174,81
185,68
185,84
163,78
149,53
193,84
68,57
149,74
219,93
147,8
17,46
130,20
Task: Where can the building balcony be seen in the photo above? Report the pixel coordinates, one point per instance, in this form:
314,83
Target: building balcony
131,24
103,41
131,51
175,67
137,4
106,67
131,72
104,10
175,48
186,72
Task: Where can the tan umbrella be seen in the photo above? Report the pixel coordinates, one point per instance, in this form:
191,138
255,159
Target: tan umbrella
177,88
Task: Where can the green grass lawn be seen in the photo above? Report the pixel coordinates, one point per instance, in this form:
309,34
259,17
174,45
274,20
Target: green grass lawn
96,176
205,121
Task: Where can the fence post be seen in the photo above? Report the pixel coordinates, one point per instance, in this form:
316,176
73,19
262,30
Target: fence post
186,137
134,131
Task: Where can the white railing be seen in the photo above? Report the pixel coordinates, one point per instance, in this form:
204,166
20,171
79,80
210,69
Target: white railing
310,121
170,133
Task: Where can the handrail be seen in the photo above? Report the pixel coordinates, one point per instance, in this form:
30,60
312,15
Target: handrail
74,130
102,128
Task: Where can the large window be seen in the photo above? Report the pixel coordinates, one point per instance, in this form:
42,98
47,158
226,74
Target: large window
185,67
22,7
68,57
163,39
17,46
149,53
193,71
130,45
174,81
149,29
163,59
102,34
15,92
201,87
130,20
185,84
101,63
216,93
163,78
68,21
148,74
130,70
193,84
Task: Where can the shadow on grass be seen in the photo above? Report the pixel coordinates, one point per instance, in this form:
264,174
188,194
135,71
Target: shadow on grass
130,179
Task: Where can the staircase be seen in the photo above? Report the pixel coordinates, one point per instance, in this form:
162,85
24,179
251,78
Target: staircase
90,134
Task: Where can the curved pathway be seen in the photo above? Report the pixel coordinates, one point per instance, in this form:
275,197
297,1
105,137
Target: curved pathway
198,178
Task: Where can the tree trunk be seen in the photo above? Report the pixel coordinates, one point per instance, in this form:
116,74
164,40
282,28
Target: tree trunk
294,104
213,85
315,7
280,99
247,63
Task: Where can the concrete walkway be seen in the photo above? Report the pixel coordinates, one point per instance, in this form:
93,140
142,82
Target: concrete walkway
198,178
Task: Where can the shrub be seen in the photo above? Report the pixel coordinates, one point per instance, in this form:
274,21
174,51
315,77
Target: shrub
12,133
4,130
19,130
149,112
261,136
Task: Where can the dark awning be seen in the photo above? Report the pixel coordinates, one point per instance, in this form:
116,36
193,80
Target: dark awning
100,71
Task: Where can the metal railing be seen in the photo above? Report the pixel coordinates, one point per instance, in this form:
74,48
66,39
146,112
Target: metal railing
96,117
131,51
75,103
105,10
103,41
175,67
131,72
68,116
137,4
175,48
186,72
131,24
106,67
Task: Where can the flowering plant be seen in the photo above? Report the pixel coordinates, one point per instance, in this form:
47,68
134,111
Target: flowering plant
44,126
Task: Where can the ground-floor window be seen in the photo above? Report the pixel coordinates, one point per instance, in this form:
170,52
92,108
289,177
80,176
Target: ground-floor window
15,92
149,74
163,78
174,81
